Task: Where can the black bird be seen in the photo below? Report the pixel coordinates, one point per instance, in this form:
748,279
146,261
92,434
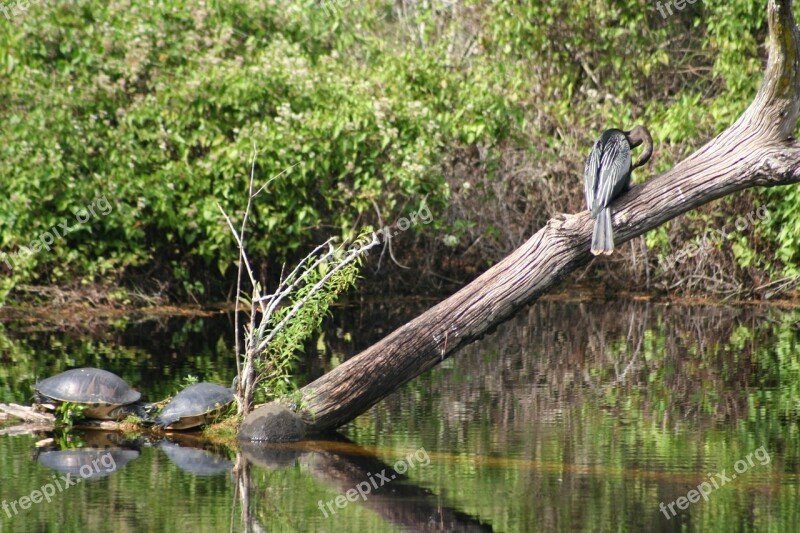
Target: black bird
607,175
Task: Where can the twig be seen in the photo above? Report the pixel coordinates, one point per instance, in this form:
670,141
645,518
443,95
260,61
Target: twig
352,256
243,368
273,178
276,298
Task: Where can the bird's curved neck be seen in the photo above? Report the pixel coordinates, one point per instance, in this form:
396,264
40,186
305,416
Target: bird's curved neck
640,135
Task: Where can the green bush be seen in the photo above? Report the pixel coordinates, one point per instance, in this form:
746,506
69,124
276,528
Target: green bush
157,107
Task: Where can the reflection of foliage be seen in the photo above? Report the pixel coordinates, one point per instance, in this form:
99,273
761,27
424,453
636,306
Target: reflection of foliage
703,373
66,438
537,410
553,417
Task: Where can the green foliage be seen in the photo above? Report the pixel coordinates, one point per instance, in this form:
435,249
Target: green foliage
132,420
190,380
67,413
156,107
222,432
687,76
783,226
276,365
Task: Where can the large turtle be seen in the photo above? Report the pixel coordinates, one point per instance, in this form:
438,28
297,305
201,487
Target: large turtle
195,405
105,395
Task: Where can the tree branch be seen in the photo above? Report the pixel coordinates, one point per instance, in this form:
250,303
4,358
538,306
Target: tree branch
757,150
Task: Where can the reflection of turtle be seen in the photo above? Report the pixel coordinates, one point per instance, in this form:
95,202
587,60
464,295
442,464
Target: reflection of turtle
104,394
195,405
88,462
196,461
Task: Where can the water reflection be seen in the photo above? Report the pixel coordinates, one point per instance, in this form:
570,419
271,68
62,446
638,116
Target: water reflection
572,416
196,461
87,463
86,455
360,477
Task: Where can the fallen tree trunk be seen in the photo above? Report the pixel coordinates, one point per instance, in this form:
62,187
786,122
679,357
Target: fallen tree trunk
757,150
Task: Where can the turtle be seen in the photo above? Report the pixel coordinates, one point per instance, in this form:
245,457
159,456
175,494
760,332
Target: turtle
195,405
104,394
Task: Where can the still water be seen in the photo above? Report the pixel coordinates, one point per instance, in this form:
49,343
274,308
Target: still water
617,416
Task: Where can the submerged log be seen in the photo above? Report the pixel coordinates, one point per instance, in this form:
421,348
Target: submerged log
757,150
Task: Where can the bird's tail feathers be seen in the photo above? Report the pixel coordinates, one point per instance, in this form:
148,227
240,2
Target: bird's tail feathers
603,234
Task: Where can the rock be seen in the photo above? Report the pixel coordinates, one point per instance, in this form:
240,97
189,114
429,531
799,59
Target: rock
272,422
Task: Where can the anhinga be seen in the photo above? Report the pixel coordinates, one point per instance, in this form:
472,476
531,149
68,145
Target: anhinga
608,174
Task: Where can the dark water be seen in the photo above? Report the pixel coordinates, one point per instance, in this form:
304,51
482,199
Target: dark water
571,417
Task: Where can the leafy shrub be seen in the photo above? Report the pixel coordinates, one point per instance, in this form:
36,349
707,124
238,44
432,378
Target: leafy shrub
157,106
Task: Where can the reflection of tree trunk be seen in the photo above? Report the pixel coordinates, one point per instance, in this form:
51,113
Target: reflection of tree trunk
344,465
242,494
756,150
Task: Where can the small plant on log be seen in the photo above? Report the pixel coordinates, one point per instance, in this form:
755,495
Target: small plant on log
279,323
67,413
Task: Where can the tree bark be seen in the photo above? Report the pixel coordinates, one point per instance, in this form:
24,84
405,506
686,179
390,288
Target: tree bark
758,149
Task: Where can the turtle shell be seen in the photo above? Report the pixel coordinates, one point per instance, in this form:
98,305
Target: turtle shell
101,391
195,405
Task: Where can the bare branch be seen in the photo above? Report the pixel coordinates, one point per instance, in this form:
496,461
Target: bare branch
351,256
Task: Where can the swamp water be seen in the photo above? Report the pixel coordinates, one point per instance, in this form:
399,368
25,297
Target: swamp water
617,416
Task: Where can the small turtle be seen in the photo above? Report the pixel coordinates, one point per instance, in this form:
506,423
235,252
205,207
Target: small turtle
105,395
195,405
